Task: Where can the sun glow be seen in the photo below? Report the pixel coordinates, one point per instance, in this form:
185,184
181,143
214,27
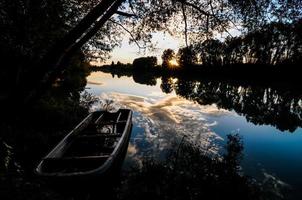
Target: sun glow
173,63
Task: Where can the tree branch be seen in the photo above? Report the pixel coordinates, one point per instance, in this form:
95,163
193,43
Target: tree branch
131,6
125,14
218,20
195,7
206,14
131,35
185,20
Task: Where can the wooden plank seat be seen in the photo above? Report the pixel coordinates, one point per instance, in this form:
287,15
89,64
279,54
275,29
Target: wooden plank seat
109,123
78,158
99,135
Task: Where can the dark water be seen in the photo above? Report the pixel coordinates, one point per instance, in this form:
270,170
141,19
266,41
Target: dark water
167,109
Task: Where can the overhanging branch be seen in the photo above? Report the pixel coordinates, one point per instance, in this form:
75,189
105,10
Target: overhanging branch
125,14
206,14
186,25
131,35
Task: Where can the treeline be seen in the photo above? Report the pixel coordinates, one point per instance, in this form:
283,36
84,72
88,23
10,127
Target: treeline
272,44
275,44
270,54
146,64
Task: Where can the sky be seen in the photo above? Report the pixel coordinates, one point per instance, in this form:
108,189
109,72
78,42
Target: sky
126,53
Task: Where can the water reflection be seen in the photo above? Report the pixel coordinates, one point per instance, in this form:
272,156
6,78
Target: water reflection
202,112
259,105
167,120
262,105
189,174
144,78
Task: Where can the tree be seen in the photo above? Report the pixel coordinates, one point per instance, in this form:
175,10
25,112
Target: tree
186,56
233,52
211,52
145,63
167,56
274,44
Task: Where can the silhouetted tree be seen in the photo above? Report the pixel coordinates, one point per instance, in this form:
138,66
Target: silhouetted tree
211,52
274,44
145,63
31,44
186,56
167,56
144,78
233,52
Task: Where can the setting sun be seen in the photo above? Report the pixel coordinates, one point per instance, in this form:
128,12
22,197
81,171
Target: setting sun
173,62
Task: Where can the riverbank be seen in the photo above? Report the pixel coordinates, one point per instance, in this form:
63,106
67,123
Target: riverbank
285,76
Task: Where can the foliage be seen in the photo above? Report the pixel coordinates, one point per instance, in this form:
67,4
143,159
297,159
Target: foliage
211,52
234,149
30,29
258,13
187,56
167,56
274,44
144,63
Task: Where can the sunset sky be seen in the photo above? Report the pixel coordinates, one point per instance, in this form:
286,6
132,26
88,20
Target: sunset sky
127,52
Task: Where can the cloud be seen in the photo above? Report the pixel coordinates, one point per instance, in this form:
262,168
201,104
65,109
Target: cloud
165,122
94,83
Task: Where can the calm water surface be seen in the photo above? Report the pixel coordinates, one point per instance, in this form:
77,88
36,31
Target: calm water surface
204,113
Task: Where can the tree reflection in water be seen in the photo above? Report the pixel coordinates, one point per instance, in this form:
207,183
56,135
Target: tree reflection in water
260,105
188,173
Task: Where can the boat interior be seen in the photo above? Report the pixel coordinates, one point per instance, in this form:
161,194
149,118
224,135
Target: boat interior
90,148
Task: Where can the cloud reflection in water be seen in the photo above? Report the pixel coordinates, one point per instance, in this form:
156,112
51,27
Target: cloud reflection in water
161,123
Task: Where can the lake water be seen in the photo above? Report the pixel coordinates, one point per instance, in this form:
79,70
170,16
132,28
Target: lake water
166,110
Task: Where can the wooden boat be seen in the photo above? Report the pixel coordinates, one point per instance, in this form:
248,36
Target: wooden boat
91,148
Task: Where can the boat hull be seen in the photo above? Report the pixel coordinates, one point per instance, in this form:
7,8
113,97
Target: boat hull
109,163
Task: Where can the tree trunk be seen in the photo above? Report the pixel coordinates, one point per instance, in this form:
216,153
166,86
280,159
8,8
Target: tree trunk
52,64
